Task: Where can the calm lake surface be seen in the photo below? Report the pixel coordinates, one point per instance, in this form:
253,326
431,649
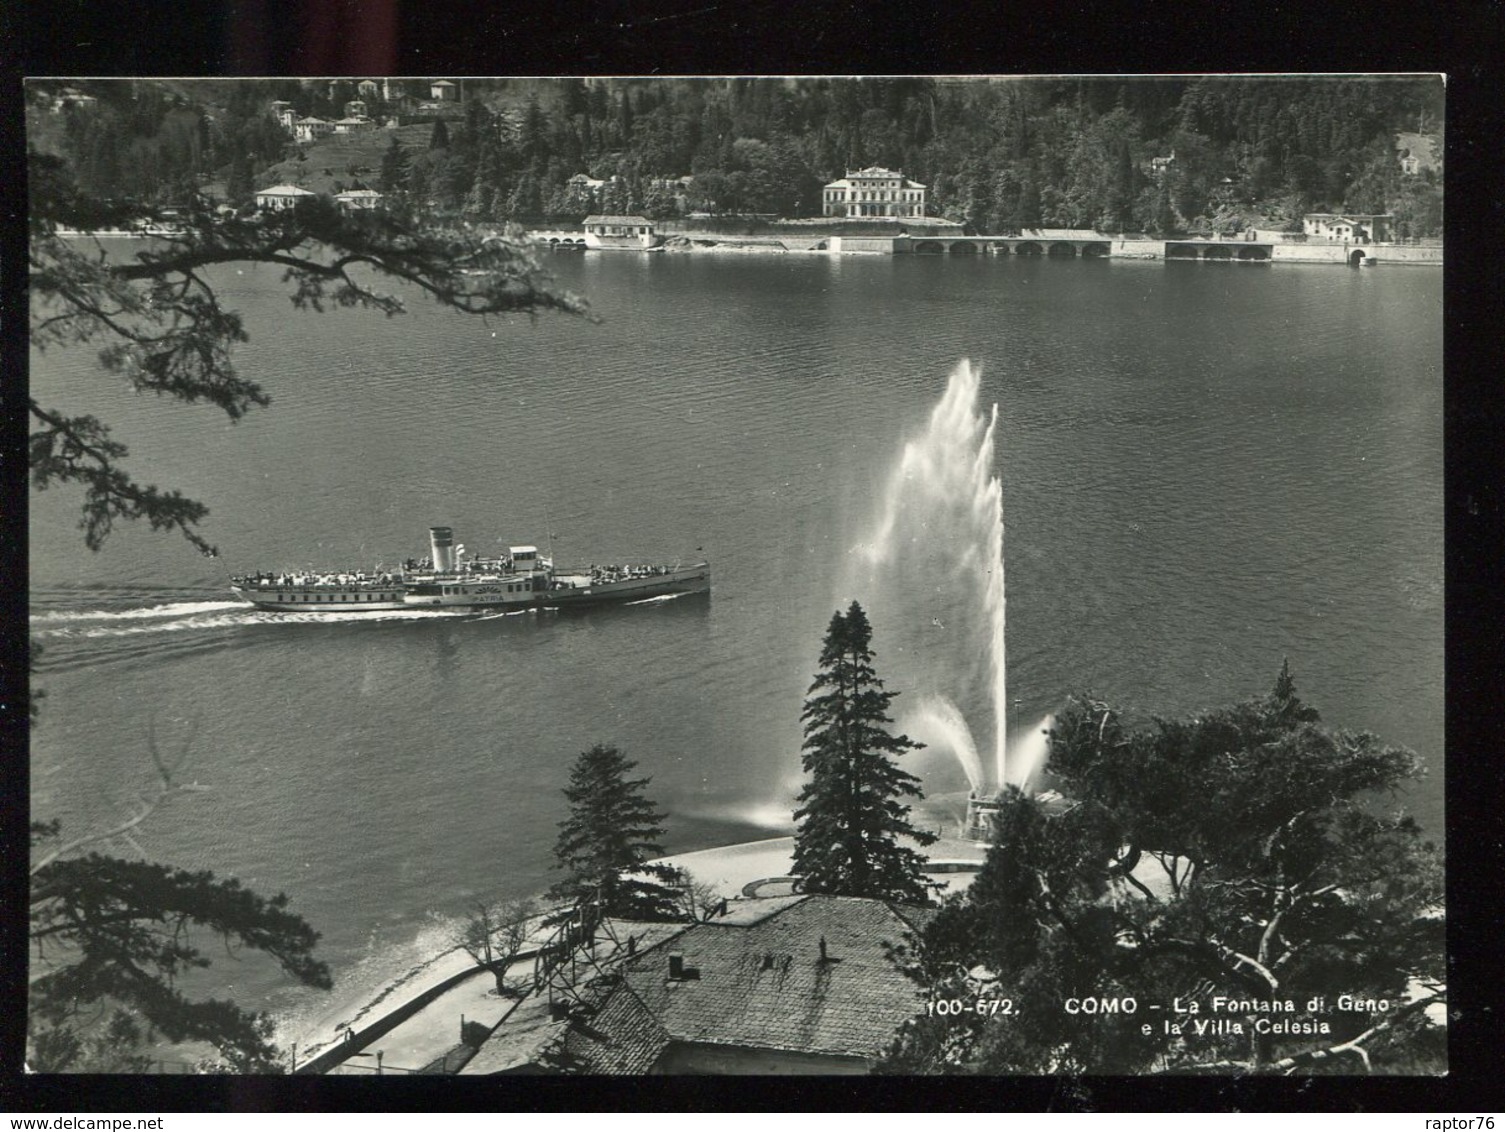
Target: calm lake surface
1205,468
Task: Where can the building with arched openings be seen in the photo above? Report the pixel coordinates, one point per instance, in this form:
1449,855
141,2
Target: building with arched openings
873,192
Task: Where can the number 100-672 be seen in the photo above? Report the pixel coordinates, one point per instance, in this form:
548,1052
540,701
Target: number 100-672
984,1007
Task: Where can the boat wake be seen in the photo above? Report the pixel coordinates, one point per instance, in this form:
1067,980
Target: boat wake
202,615
656,599
171,609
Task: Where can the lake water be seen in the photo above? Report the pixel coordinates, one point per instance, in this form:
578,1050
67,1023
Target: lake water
1205,468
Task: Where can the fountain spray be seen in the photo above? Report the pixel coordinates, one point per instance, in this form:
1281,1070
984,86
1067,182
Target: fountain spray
935,578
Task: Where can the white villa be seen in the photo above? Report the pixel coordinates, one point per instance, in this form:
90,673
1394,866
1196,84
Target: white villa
358,200
280,197
873,192
307,129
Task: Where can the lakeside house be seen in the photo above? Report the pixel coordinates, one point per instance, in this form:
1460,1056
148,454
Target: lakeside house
358,200
873,192
618,232
280,196
353,125
310,128
781,985
1357,227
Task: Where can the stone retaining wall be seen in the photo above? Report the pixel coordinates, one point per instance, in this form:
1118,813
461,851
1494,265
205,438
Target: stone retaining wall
863,245
1340,253
1138,249
1407,253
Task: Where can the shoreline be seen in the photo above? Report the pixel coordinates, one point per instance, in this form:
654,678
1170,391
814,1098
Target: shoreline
1336,255
710,243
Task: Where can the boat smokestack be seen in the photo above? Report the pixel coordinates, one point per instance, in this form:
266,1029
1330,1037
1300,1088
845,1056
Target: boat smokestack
442,542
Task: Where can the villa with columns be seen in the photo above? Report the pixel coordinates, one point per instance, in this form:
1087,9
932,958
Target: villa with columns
873,192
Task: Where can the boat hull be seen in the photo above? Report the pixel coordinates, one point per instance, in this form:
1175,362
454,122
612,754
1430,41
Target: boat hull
688,580
320,599
564,589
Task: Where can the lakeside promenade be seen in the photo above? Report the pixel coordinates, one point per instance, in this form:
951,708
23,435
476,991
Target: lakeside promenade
930,237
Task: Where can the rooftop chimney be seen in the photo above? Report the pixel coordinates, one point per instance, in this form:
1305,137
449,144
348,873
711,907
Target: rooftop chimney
676,965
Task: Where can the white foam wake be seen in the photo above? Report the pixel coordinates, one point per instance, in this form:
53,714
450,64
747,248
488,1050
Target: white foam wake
172,609
654,600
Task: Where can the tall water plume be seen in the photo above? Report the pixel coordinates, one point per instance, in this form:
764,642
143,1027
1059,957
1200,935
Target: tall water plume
931,569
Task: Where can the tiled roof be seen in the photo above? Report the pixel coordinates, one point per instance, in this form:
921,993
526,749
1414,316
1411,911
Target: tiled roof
530,1038
516,1048
744,913
763,984
622,1038
617,220
284,191
872,174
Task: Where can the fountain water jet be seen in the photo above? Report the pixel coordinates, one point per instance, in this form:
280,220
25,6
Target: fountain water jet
938,723
934,575
1028,752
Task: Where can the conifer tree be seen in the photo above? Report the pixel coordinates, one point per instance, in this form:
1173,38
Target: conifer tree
852,816
604,846
395,167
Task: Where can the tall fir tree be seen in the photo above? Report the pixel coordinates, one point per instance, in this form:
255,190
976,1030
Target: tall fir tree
395,167
605,845
852,816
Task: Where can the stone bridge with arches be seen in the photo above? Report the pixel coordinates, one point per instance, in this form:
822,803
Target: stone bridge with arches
1088,247
1236,250
1093,246
558,238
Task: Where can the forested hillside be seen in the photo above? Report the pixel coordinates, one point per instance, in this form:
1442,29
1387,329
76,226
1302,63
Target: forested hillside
997,155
